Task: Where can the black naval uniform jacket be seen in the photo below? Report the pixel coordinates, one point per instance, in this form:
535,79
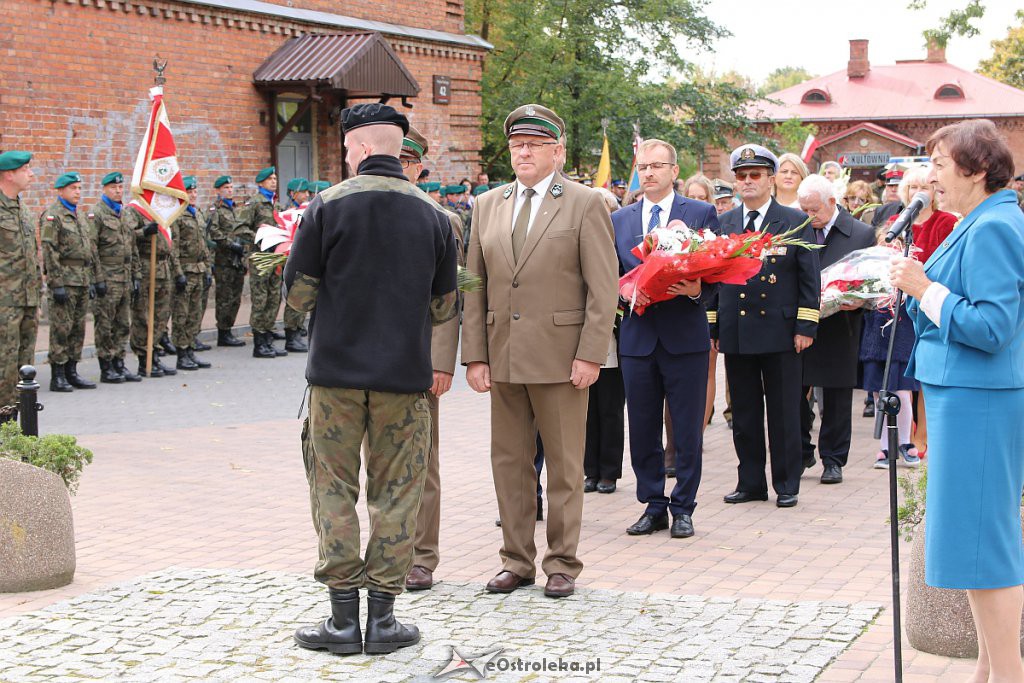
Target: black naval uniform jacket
831,361
781,301
369,256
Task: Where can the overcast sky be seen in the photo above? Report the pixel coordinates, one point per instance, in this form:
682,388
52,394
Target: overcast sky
769,34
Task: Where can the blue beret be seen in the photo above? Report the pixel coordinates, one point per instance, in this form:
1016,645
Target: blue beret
13,160
67,179
266,173
372,114
115,177
753,155
618,183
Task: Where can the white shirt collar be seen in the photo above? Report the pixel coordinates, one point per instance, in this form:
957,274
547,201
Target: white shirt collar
665,204
832,221
762,210
541,188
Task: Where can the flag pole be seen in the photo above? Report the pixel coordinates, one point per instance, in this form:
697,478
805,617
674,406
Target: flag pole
158,67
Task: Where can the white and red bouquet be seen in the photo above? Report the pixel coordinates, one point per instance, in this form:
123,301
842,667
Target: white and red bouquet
676,252
860,279
275,241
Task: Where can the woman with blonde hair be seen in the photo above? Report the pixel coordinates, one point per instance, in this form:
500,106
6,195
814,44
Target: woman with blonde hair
858,195
792,171
699,187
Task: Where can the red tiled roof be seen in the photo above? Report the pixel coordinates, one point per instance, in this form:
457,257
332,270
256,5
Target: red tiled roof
871,128
900,91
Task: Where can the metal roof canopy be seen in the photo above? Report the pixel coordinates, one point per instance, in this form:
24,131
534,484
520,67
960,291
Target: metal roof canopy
361,64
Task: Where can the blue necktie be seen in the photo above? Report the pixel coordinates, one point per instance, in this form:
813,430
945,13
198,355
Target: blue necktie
655,222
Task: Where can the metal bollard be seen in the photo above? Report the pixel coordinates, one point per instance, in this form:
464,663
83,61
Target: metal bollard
28,405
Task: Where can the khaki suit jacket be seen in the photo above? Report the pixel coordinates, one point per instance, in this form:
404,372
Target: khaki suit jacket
557,304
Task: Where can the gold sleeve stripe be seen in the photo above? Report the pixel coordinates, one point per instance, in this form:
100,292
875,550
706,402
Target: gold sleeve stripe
808,314
712,317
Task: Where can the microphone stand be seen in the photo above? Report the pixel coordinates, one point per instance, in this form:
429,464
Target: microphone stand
888,406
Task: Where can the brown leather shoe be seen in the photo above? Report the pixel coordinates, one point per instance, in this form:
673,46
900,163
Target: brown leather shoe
506,582
560,586
419,579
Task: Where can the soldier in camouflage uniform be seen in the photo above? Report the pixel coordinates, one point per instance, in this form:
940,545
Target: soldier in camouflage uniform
457,203
20,279
168,272
294,321
357,391
230,256
119,268
72,278
189,231
264,290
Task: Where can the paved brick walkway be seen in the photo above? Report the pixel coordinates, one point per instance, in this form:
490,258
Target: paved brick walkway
231,494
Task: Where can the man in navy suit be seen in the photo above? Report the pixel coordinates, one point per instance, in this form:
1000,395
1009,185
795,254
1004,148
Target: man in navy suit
664,352
762,327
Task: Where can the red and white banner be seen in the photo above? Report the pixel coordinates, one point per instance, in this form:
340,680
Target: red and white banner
157,183
810,147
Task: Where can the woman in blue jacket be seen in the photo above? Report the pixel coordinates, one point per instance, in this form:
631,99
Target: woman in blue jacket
968,310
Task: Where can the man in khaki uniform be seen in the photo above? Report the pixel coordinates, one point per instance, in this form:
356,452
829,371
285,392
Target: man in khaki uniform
536,337
20,280
444,344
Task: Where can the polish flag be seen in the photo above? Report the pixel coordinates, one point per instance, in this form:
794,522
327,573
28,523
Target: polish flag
157,184
810,147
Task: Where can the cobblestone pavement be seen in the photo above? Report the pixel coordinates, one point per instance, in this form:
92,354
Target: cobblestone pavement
216,625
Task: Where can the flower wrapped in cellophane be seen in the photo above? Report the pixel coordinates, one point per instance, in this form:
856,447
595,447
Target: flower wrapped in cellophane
860,279
275,241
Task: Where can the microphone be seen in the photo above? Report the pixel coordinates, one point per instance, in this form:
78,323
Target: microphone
906,219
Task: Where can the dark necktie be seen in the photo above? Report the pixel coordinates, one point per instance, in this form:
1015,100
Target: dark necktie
751,217
522,225
819,235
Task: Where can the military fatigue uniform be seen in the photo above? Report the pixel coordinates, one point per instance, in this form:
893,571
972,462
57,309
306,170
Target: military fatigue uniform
193,257
20,284
264,290
167,269
118,266
70,259
228,267
210,246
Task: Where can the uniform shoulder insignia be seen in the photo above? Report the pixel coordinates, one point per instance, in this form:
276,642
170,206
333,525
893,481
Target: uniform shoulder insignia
556,190
508,191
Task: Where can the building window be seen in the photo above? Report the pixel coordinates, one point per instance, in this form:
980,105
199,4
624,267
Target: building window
949,92
286,110
816,97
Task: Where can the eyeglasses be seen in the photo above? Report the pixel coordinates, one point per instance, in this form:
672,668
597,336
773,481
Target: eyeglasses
753,175
654,166
534,146
854,200
408,163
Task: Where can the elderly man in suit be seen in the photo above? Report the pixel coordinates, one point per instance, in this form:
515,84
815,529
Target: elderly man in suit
762,327
832,362
535,338
664,351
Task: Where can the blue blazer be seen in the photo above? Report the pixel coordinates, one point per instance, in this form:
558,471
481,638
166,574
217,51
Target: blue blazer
680,324
979,343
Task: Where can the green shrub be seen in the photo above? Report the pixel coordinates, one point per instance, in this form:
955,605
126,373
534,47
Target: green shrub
911,512
58,453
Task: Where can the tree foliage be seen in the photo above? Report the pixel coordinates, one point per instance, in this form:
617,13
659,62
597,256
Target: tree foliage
1007,61
602,59
959,22
791,135
785,77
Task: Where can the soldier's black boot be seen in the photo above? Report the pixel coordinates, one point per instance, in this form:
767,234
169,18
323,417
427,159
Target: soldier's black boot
166,369
275,335
155,371
165,344
200,363
199,345
383,632
128,375
293,342
109,374
225,338
58,382
184,362
260,348
339,633
74,379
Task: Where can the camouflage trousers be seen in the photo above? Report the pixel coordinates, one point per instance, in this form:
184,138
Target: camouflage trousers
187,317
265,291
18,325
293,319
228,295
161,313
67,325
113,317
204,304
398,431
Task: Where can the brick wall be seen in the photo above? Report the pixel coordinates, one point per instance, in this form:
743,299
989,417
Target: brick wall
74,77
439,15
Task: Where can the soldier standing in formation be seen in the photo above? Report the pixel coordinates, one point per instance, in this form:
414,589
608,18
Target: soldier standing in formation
119,268
167,271
72,277
20,279
229,259
444,344
361,387
189,234
299,194
264,290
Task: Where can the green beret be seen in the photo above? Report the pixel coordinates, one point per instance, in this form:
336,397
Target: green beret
67,179
414,145
423,186
13,160
320,186
533,119
432,187
221,181
265,173
298,185
115,177
455,189
479,190
190,182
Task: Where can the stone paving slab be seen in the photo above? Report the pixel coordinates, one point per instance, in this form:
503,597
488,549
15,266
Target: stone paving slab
218,625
